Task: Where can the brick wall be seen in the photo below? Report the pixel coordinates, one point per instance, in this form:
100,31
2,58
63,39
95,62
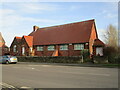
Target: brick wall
92,38
19,46
69,52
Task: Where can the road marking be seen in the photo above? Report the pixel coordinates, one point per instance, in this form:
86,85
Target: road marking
24,87
46,65
33,68
33,65
6,85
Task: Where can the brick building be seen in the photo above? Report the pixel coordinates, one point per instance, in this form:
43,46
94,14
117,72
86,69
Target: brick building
62,40
3,48
22,46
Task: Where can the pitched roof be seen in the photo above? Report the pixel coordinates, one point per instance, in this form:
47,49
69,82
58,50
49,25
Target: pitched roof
98,42
29,40
2,41
78,32
18,39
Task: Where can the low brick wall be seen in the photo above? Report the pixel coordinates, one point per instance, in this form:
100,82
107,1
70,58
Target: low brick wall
50,59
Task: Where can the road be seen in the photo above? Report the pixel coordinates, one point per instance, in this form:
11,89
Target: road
55,76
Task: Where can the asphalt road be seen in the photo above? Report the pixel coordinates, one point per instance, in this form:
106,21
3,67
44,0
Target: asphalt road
54,76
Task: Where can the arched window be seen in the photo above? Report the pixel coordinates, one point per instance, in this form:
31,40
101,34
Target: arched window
14,48
23,50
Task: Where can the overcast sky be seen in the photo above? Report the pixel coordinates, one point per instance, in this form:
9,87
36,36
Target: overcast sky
18,18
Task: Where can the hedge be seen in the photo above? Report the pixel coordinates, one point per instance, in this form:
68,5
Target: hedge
50,59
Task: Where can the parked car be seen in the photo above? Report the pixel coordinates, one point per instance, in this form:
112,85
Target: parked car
8,59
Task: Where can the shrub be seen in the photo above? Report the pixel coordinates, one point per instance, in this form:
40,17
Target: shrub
100,59
50,59
85,54
111,54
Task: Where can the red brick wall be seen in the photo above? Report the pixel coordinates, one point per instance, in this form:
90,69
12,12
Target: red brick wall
94,50
92,38
19,47
45,52
24,44
69,52
5,50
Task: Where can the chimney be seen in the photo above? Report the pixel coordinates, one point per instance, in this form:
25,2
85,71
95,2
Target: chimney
35,28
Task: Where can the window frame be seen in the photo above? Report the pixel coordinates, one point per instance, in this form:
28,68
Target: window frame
39,48
79,46
51,47
62,47
15,48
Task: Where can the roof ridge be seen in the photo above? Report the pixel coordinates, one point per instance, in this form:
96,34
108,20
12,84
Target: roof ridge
68,24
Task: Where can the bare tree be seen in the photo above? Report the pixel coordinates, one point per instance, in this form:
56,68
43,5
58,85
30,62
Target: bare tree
111,36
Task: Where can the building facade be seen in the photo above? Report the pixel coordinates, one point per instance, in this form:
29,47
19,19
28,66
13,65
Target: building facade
63,40
22,46
3,48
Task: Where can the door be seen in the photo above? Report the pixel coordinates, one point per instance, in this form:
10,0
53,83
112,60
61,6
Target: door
99,51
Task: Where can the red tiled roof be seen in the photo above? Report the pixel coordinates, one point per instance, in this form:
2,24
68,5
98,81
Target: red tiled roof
18,37
98,42
29,40
78,32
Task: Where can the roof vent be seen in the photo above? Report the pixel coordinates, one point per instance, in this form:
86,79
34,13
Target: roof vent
35,28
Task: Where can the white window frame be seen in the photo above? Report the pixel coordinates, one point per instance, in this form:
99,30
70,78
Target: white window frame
64,47
39,48
14,48
78,46
51,48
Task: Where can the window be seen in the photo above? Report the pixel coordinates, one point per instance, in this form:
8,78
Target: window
39,48
51,48
78,46
63,47
99,51
23,50
31,49
14,48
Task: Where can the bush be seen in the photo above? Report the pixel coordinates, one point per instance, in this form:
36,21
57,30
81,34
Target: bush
111,54
86,55
100,59
50,59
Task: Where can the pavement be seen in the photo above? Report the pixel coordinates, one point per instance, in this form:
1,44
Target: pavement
45,75
89,64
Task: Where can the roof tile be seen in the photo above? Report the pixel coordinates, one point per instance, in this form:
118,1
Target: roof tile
98,42
29,40
78,32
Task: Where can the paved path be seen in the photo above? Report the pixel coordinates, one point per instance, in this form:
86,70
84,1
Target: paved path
55,76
